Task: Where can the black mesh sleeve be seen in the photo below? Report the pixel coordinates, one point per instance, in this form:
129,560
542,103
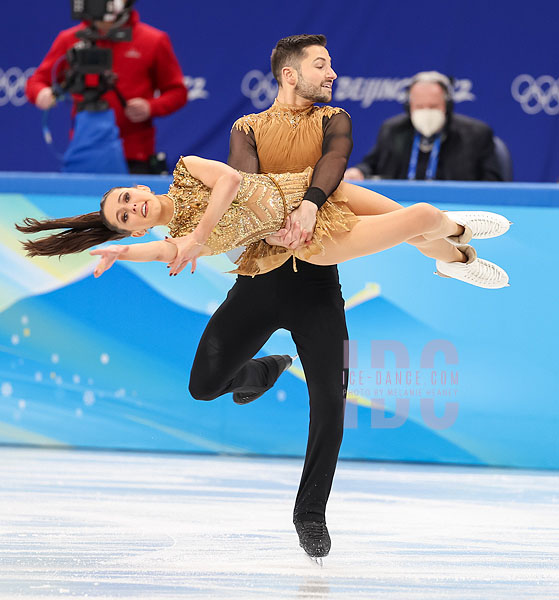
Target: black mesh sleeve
336,148
242,151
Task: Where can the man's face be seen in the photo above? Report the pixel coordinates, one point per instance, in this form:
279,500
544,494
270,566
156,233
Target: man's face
427,95
315,75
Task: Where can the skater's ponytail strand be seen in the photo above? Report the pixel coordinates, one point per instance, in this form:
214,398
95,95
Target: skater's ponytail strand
80,233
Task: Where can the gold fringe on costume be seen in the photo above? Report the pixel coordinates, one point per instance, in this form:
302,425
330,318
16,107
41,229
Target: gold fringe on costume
333,216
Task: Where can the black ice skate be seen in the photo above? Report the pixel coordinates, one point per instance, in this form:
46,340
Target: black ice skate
282,362
313,538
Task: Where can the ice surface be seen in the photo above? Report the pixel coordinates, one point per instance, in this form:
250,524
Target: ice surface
77,524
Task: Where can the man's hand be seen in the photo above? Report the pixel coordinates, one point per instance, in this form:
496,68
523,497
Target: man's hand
45,99
189,248
300,226
285,236
108,254
354,173
137,110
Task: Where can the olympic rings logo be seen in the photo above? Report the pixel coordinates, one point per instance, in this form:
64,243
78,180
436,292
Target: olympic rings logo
535,95
260,88
12,85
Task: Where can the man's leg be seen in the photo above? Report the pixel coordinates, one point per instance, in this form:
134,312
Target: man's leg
234,334
319,330
319,336
322,360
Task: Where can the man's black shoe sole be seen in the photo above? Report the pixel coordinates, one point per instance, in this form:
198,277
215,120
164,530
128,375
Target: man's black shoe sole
284,361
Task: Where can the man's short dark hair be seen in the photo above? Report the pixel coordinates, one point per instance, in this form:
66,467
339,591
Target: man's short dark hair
290,50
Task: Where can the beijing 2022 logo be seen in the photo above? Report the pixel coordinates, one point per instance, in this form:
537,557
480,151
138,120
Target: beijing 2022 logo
261,88
12,85
535,95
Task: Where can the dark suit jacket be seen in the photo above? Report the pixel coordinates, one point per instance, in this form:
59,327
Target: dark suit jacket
467,151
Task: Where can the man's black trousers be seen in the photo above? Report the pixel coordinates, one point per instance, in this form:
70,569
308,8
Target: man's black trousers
309,304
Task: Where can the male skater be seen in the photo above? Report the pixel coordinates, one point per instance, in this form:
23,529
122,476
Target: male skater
291,135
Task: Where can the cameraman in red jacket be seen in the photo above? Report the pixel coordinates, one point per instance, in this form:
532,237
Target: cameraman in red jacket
143,65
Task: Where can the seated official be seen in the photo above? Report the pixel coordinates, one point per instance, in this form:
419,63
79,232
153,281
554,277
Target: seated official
430,141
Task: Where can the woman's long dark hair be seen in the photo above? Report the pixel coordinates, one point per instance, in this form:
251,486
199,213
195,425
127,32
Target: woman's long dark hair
81,232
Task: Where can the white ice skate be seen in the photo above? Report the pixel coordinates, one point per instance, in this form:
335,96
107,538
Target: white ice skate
476,271
478,225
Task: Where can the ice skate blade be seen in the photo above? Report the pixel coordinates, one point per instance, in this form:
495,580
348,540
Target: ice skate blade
316,560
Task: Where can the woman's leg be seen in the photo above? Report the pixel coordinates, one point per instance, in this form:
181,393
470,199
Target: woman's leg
366,202
374,233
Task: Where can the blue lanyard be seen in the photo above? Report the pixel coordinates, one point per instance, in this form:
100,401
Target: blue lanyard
433,158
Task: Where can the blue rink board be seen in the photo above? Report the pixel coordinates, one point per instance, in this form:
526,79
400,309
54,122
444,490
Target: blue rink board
104,363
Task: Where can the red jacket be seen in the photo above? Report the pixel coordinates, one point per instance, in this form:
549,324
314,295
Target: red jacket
144,65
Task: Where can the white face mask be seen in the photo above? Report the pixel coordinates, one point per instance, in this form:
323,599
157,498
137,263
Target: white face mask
428,120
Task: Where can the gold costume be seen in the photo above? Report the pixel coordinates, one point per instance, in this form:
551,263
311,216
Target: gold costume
289,139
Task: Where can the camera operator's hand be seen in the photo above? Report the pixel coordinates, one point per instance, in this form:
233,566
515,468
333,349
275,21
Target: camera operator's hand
137,110
45,99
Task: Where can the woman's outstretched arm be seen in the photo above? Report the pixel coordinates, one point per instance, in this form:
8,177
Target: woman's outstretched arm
146,252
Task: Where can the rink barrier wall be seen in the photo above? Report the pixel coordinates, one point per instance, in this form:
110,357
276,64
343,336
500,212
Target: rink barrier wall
465,375
439,192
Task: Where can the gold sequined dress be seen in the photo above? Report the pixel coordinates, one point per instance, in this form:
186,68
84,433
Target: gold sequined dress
264,200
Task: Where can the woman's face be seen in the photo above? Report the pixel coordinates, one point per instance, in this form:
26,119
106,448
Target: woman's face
133,209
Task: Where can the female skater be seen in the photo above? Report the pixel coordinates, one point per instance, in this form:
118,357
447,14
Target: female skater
211,208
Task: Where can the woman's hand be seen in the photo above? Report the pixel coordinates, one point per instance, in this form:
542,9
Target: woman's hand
277,239
287,237
108,254
189,248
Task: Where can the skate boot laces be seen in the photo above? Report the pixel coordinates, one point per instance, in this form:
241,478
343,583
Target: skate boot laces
482,224
313,537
